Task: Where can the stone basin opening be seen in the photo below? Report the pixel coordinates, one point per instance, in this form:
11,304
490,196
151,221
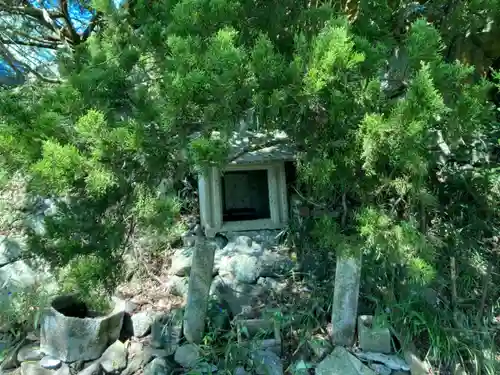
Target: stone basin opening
72,306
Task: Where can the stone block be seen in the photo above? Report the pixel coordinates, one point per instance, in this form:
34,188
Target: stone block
380,369
372,338
141,323
114,358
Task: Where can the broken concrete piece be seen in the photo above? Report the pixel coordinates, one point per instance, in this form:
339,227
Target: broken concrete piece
341,362
32,336
240,297
63,370
178,286
33,368
392,361
372,338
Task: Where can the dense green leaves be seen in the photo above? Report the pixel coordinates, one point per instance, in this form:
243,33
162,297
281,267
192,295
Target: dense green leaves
393,134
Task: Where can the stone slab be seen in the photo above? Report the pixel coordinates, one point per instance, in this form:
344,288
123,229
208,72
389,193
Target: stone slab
372,338
341,362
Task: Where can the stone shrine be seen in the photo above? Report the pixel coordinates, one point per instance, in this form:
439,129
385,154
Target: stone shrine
250,193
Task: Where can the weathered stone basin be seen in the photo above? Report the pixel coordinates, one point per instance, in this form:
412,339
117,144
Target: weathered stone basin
72,333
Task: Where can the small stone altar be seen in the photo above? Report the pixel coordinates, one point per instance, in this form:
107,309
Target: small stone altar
250,193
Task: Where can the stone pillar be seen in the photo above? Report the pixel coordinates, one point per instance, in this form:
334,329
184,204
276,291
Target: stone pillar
345,299
200,280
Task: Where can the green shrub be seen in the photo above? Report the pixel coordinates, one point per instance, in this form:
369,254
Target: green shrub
21,311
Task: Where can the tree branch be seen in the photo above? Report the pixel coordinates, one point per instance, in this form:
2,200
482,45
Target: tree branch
44,39
33,43
256,147
38,13
42,16
72,34
343,219
92,25
42,77
14,64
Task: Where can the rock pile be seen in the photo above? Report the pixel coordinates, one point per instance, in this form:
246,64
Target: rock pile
154,348
245,269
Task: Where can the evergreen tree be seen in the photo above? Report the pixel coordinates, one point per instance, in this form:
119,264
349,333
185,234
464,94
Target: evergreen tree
392,129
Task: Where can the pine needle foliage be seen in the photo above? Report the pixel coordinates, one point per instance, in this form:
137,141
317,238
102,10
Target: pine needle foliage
395,132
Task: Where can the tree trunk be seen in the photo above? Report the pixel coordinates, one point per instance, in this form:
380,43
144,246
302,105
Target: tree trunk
345,299
200,280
